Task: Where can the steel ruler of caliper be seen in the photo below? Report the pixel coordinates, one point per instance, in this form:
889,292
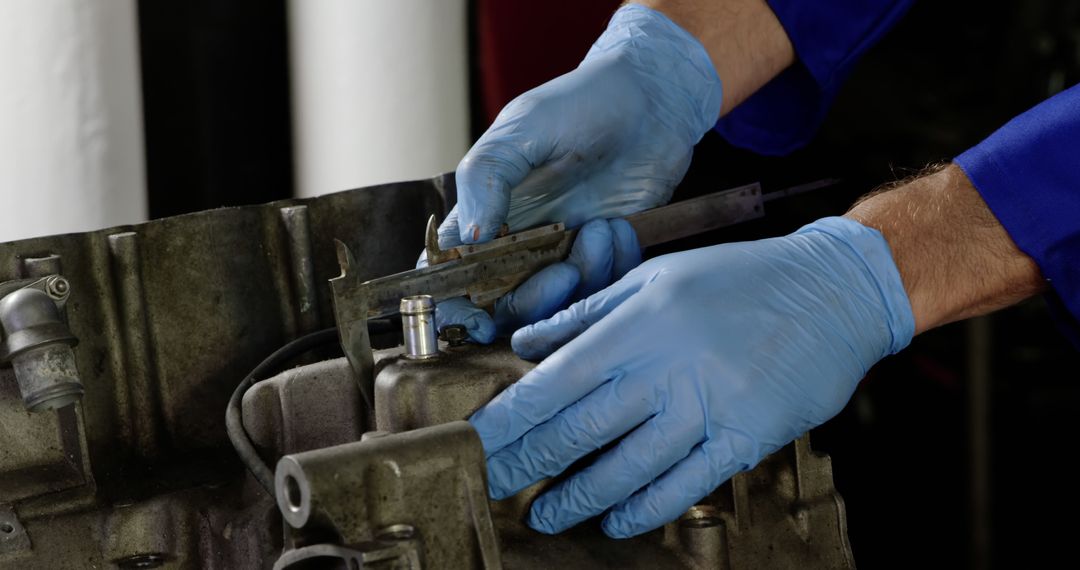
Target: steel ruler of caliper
484,272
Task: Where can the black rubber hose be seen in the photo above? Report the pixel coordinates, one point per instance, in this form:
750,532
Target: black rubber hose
234,423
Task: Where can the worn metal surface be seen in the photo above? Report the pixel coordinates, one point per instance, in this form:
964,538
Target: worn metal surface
783,514
304,408
170,315
40,454
427,485
412,394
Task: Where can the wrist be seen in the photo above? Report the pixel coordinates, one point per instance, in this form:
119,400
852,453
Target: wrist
858,261
954,257
744,39
671,65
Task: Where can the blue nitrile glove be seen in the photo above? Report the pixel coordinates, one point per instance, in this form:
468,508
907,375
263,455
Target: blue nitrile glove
610,138
706,361
603,252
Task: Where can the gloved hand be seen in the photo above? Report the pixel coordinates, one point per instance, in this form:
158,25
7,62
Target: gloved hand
706,360
610,138
603,252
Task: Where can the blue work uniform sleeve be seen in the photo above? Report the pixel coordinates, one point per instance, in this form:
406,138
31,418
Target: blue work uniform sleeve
1028,172
828,37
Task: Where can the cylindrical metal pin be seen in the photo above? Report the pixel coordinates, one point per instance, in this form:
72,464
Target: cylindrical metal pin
418,326
38,344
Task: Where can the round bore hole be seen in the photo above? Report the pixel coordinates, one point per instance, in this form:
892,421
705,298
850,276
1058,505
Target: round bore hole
396,532
701,516
142,561
293,495
7,528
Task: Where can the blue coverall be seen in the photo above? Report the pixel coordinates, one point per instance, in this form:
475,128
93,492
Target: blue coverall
1028,172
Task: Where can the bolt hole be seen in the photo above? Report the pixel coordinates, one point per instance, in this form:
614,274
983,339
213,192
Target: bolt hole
396,532
701,516
141,561
293,495
706,522
7,528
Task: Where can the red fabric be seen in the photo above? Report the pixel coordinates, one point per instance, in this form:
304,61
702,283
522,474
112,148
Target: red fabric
523,44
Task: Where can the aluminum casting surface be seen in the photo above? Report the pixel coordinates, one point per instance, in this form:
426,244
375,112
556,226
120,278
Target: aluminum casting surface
171,314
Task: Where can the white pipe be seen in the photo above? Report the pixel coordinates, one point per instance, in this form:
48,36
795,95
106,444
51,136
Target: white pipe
379,90
71,140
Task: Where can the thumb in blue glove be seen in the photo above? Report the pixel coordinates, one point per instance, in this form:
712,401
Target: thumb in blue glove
702,362
603,252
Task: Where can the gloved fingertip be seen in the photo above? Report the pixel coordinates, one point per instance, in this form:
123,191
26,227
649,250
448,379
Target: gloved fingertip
498,493
565,277
597,229
484,179
616,527
449,232
541,521
530,345
623,230
538,340
461,311
537,298
469,233
627,248
481,328
592,254
497,490
491,424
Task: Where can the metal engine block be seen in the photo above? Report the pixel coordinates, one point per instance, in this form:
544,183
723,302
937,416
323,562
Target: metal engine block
169,315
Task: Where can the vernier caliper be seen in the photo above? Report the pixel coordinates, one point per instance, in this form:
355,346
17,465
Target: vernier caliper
484,272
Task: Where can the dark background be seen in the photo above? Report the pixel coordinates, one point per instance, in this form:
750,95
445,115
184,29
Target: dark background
216,96
216,103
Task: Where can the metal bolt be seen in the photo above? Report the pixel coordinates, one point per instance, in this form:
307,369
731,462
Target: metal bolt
454,335
57,287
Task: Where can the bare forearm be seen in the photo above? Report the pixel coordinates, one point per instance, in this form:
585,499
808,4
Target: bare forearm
954,257
745,41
